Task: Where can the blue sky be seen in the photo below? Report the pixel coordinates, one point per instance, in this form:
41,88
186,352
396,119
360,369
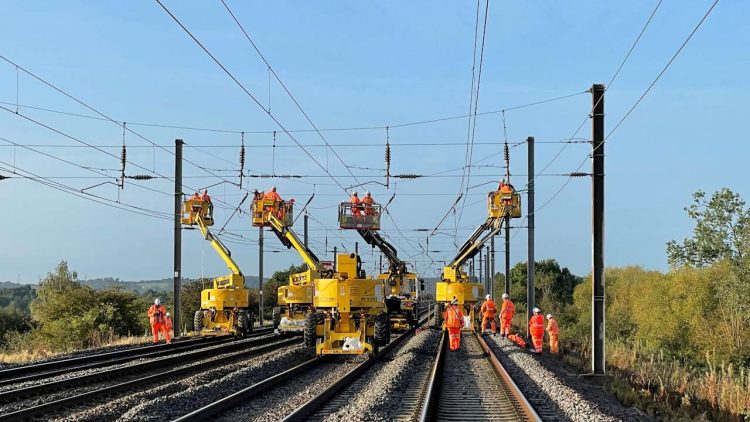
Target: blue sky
369,64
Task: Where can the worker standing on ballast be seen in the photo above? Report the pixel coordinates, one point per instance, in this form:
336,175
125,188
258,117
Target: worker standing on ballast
536,330
454,322
157,318
506,315
488,310
207,199
168,327
554,334
355,203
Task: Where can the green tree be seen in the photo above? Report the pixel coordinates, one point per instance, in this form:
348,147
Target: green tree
271,286
553,285
721,232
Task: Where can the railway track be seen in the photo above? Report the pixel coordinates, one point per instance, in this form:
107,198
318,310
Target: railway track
471,384
231,351
308,410
53,368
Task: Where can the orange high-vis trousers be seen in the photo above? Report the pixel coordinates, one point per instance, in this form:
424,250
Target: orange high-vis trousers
554,343
455,338
505,326
492,324
156,328
538,342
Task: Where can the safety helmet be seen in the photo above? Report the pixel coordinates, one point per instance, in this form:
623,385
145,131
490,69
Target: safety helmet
273,188
168,314
537,311
354,192
502,181
367,193
487,297
549,316
505,296
157,302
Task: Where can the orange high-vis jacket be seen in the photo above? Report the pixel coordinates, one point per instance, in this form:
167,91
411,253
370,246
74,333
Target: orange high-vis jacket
489,309
367,200
536,325
508,310
355,199
168,323
552,327
152,314
272,195
205,197
454,318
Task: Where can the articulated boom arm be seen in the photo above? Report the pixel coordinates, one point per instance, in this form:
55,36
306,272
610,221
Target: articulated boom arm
472,246
289,239
374,239
222,250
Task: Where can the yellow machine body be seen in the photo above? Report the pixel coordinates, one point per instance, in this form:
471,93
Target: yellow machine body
221,304
405,289
505,202
353,301
265,207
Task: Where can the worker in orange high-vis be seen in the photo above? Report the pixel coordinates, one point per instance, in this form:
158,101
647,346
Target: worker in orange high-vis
168,327
157,316
272,194
506,315
367,201
355,201
554,334
488,310
205,197
536,330
454,321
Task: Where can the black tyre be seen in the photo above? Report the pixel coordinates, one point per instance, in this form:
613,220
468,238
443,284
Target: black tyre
198,321
276,314
244,323
382,329
438,316
311,321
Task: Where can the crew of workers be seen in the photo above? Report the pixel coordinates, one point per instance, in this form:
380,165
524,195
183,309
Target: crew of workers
488,311
206,198
363,205
161,321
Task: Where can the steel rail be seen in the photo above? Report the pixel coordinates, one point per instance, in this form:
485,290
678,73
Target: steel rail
88,397
10,396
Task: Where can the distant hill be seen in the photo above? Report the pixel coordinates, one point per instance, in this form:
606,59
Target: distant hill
142,286
13,285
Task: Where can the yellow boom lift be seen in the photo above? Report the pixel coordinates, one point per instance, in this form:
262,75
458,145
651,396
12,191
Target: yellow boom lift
225,306
401,299
340,305
456,284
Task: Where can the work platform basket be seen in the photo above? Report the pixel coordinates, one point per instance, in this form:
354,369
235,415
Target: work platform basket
264,207
359,216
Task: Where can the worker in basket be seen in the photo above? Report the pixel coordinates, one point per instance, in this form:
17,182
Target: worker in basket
355,201
272,194
488,310
506,315
454,322
207,199
367,201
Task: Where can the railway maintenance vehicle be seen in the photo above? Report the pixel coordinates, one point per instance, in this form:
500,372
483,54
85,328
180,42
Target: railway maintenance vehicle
402,297
340,305
225,307
502,204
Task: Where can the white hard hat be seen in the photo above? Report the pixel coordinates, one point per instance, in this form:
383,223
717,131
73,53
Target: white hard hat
367,193
354,192
168,314
273,187
549,316
488,297
505,296
537,311
157,302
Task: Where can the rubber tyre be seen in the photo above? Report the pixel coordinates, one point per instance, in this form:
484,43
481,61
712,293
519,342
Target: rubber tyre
198,321
311,321
438,316
244,324
382,329
276,314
